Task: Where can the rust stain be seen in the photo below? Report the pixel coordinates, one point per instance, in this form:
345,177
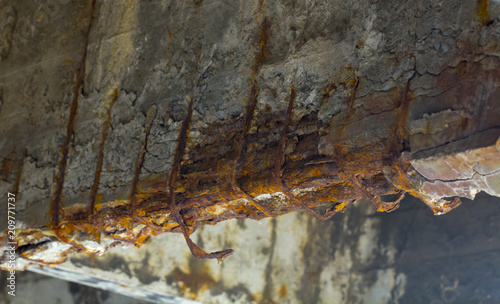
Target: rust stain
6,167
56,204
250,112
262,5
403,176
150,117
445,206
342,155
193,282
19,174
100,157
346,80
375,200
400,138
265,32
119,225
329,90
282,291
398,169
177,208
355,84
169,44
180,151
280,158
126,222
483,13
204,206
64,256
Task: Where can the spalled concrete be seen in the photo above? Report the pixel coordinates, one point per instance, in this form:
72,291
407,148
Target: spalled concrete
260,108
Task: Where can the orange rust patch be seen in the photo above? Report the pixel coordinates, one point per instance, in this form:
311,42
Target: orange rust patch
265,32
329,90
282,292
193,281
483,13
262,6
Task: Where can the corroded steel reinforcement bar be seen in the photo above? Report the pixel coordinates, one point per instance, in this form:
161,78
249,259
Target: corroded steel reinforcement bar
247,182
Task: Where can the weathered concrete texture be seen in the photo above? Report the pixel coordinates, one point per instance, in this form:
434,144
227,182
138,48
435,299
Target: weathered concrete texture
33,287
36,79
122,120
408,256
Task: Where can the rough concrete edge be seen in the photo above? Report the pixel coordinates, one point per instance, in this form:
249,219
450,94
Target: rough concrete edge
477,140
115,287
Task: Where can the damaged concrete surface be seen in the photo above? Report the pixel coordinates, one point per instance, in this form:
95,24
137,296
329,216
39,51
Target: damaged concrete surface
408,256
121,121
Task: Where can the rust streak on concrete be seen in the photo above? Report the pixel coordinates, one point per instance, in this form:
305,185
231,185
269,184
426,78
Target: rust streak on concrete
239,147
350,177
20,166
180,151
176,208
56,204
150,117
250,112
100,157
280,158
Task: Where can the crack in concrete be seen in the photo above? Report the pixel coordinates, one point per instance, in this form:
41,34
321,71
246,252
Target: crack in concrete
471,178
457,140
